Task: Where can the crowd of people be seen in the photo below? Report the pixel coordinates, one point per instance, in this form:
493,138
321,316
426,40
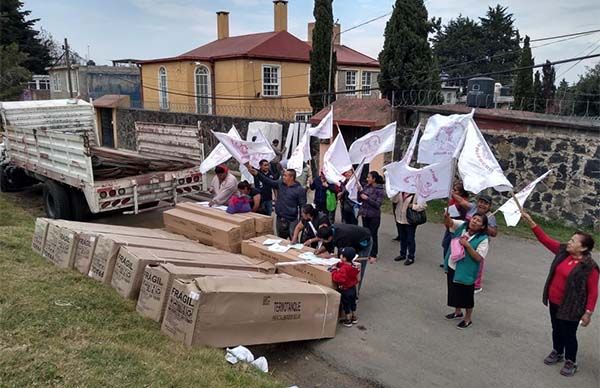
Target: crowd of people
571,290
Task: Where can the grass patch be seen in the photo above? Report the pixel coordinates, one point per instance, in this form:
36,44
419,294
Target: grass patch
58,328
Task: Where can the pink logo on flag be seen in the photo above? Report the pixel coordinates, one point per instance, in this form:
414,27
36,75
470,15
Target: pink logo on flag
241,147
371,146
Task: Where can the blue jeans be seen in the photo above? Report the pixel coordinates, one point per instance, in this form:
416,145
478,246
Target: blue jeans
267,207
364,253
408,244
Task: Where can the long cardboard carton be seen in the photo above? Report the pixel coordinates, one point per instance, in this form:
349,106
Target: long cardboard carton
209,231
39,234
118,229
59,246
262,224
107,247
314,273
131,262
246,224
158,280
229,311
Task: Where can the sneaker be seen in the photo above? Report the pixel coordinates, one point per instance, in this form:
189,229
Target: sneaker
463,325
452,316
399,258
409,261
569,368
347,323
553,358
442,265
397,238
354,320
478,290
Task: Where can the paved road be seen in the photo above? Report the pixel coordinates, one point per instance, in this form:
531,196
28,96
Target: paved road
406,342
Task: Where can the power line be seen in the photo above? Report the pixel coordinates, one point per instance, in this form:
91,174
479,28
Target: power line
286,97
564,36
578,62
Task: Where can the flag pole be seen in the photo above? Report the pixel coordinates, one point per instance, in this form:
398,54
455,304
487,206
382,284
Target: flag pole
517,201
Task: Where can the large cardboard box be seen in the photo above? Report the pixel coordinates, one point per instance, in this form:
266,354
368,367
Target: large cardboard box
226,311
314,273
107,247
158,280
262,224
246,224
209,231
131,262
84,251
59,246
118,229
39,234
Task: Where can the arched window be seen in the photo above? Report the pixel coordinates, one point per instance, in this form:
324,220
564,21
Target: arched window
203,103
163,96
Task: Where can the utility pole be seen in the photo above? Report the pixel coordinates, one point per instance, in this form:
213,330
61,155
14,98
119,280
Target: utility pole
68,60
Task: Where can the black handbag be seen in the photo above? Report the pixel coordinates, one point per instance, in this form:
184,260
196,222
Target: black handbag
415,217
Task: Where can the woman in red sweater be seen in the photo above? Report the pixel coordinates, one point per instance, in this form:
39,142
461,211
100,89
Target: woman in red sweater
571,290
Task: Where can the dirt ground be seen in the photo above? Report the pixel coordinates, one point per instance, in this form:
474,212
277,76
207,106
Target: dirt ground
294,363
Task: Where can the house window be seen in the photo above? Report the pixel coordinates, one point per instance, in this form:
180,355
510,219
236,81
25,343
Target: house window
203,103
366,83
74,80
302,117
163,97
271,80
44,84
56,82
350,83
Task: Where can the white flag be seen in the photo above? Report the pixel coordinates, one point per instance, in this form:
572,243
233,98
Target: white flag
325,128
406,159
373,144
429,182
510,209
336,160
353,182
255,158
442,137
300,155
219,154
477,165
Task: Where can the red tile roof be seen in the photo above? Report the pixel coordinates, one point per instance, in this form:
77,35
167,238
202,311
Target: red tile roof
358,112
279,45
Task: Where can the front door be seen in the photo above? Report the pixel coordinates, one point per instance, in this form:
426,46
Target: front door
106,126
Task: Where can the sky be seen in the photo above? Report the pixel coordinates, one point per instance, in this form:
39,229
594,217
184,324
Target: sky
147,29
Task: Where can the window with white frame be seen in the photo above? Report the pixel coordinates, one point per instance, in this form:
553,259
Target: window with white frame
56,82
163,97
74,80
350,82
271,79
366,83
302,117
203,103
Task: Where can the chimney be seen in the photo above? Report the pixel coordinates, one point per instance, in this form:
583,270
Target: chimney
280,15
337,38
222,24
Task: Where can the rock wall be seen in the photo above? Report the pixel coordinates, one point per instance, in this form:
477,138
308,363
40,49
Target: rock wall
570,195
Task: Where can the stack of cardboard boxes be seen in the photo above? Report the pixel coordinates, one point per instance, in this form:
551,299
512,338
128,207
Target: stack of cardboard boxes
191,279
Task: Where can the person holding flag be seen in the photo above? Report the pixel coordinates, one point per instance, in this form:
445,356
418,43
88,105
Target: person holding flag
570,292
370,209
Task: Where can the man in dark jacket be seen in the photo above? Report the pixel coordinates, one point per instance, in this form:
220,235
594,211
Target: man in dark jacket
291,198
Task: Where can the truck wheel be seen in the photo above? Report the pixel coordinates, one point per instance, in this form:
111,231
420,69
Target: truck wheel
57,203
5,185
79,205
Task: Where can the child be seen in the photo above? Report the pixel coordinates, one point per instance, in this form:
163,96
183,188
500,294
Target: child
345,275
240,202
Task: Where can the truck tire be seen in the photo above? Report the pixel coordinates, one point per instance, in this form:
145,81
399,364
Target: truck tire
5,185
57,203
79,206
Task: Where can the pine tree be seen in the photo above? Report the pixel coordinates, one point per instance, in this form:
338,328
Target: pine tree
539,103
319,56
457,42
523,90
406,60
587,93
14,28
548,79
13,75
500,39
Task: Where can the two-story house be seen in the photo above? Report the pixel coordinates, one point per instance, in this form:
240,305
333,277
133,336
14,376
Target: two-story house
262,75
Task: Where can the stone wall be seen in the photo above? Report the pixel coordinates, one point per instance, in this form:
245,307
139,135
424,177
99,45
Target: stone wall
126,119
524,152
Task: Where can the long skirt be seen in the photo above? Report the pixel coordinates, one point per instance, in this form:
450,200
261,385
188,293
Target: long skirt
460,295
